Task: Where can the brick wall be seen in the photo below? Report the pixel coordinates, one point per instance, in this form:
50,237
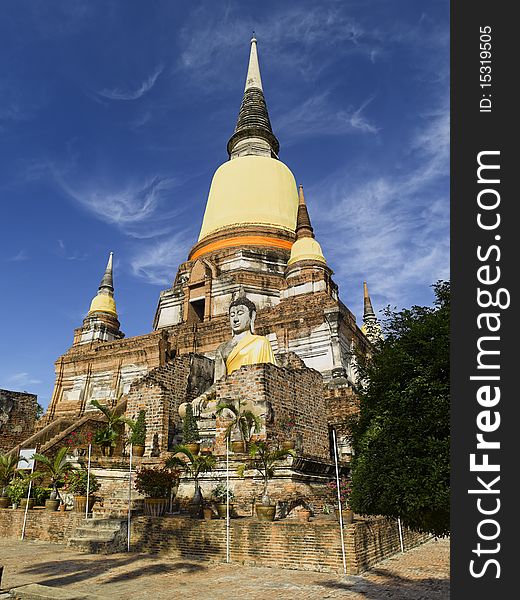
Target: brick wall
281,392
43,525
17,418
161,391
287,544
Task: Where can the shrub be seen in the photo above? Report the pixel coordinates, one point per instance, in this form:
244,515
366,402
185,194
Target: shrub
17,490
40,494
190,430
75,482
138,427
155,483
220,495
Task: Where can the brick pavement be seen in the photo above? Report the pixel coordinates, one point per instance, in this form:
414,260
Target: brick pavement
421,573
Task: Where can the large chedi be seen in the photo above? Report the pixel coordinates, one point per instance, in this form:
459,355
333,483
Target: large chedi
256,241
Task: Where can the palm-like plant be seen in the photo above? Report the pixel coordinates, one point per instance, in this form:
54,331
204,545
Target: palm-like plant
55,468
8,464
107,435
243,419
193,464
263,458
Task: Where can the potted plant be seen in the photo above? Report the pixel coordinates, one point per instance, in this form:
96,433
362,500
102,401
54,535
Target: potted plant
193,465
190,431
241,419
55,470
107,435
8,464
138,433
78,442
75,482
221,496
345,491
156,484
263,459
16,490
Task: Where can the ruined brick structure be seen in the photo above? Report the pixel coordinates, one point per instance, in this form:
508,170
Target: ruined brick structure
17,417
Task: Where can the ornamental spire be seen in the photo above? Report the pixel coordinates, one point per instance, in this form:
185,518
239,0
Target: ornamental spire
107,283
367,303
253,79
104,300
371,327
253,133
303,221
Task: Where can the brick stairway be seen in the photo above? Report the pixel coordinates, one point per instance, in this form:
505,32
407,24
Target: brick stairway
100,536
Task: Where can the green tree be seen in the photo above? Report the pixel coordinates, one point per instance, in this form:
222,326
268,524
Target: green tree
192,464
241,419
8,465
138,429
55,468
401,437
263,458
108,434
190,430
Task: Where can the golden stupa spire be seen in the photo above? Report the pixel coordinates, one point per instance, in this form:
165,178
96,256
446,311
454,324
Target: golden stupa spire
104,300
305,247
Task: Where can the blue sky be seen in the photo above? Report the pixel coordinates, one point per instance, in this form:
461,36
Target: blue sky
115,114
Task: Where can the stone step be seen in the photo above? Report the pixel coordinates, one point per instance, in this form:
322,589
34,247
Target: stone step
95,534
95,546
104,536
114,524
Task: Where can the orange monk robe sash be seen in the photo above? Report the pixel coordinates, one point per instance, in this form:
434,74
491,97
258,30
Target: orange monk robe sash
250,350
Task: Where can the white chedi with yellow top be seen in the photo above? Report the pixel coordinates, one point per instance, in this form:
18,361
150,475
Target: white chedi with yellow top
251,190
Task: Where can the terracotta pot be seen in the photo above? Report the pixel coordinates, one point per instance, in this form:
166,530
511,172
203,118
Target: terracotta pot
155,507
348,515
4,502
193,447
265,512
23,502
62,508
138,450
221,510
107,450
52,504
288,445
80,503
208,513
238,447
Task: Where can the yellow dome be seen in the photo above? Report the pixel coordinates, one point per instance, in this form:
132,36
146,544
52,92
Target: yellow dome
306,248
251,190
103,303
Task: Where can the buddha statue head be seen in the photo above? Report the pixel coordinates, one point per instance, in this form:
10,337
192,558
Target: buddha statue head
242,313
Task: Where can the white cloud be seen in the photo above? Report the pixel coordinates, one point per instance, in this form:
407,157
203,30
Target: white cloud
292,34
317,116
63,252
158,263
21,380
135,94
393,229
133,208
19,257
